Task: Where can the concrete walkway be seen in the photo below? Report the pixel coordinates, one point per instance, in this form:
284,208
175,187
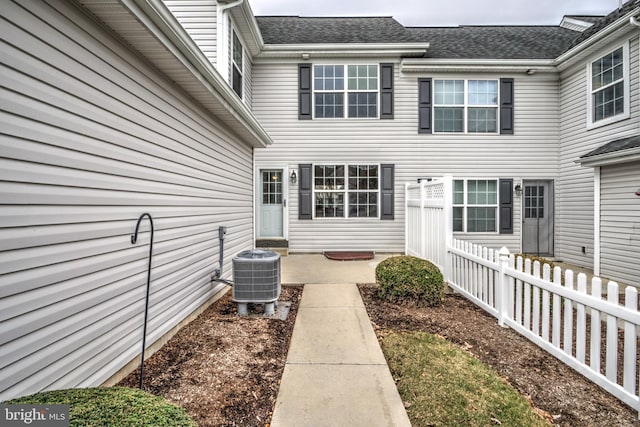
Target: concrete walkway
335,374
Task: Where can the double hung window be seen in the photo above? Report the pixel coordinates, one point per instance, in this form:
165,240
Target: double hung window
346,190
609,86
475,205
346,91
465,106
236,64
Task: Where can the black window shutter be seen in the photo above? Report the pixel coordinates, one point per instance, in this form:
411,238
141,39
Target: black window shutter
506,106
506,206
424,106
386,91
304,91
387,191
305,192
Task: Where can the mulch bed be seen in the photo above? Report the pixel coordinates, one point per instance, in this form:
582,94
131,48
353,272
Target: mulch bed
568,398
225,370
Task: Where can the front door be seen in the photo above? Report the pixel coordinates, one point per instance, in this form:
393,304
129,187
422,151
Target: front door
272,203
537,222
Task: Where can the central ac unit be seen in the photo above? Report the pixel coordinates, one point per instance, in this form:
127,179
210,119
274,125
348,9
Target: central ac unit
256,279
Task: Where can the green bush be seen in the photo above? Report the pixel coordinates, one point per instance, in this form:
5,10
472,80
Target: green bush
114,406
410,279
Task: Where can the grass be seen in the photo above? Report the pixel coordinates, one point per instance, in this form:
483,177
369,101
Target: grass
446,386
115,406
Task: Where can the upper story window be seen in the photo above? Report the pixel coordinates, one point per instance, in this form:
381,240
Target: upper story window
345,91
465,106
609,87
236,64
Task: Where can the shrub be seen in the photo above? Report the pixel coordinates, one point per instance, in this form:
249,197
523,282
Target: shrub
410,279
112,406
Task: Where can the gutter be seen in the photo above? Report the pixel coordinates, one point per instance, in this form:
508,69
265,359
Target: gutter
613,158
343,50
528,66
154,15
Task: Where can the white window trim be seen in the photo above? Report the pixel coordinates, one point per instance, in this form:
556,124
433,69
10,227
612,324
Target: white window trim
345,91
626,83
465,107
345,191
232,62
466,205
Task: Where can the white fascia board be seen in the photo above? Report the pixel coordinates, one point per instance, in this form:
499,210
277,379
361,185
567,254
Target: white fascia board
613,158
586,47
343,50
155,16
422,65
252,24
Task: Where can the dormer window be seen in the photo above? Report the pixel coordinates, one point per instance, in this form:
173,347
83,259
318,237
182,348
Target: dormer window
236,64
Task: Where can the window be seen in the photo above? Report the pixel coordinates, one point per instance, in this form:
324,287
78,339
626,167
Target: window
350,189
465,106
236,66
609,87
358,98
534,201
475,205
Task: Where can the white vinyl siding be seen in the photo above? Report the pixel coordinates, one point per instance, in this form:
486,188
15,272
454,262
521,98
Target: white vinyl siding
620,223
198,18
531,153
574,189
92,137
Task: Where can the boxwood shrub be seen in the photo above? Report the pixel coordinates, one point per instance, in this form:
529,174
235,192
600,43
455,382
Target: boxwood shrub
113,406
410,279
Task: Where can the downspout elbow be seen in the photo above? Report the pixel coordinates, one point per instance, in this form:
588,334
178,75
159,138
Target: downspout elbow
222,7
634,21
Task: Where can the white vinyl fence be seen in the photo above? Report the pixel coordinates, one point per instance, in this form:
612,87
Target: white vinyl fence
563,314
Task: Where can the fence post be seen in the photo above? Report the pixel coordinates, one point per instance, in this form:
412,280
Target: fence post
448,223
406,218
503,285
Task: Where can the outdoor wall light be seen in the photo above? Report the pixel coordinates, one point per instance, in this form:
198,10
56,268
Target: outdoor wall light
518,190
293,178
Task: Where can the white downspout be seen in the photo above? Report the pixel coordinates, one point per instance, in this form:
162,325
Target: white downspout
596,221
222,41
634,21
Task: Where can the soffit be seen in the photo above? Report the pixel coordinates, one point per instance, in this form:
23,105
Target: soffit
166,46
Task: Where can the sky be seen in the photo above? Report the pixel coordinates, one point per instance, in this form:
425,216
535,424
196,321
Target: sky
442,12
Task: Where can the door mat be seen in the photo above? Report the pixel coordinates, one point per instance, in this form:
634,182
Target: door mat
350,256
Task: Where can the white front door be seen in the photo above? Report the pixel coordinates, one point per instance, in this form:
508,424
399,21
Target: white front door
272,203
537,223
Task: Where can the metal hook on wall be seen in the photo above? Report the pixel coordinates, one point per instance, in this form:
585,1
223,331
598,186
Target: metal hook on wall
134,238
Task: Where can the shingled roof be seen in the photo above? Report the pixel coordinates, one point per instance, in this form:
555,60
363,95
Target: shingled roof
602,23
481,42
304,30
495,42
463,42
614,146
